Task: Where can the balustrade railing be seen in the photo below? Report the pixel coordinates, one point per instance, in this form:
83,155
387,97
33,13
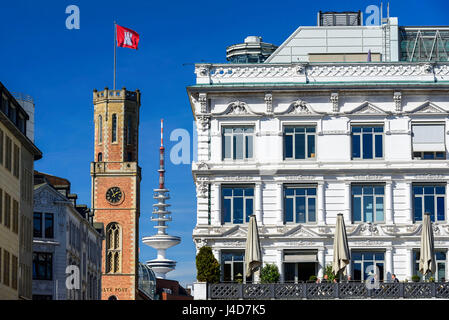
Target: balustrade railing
344,290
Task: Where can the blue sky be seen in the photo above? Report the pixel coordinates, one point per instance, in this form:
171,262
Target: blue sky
61,67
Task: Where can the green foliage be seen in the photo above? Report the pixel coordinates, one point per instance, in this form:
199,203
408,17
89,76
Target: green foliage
207,267
416,278
431,279
330,274
269,274
312,278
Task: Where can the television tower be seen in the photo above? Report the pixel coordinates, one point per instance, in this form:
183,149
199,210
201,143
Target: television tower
161,241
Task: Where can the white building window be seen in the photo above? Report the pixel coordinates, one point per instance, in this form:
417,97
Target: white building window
237,204
300,204
431,199
364,264
299,142
238,143
367,142
367,203
440,262
428,142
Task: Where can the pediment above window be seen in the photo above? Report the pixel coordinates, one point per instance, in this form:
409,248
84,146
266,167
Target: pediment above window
300,108
367,108
428,107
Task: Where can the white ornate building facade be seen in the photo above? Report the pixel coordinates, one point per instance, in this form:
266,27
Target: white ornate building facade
297,143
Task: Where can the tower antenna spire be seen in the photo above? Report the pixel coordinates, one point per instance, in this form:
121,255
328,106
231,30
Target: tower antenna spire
161,241
161,159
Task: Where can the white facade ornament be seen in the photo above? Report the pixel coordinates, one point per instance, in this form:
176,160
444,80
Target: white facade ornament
269,103
334,100
397,98
300,68
204,122
202,187
429,177
203,166
237,108
427,68
202,98
202,70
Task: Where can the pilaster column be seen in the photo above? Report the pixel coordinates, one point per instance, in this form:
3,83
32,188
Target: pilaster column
409,264
409,202
389,263
280,204
279,265
389,219
321,262
216,254
321,204
258,203
216,205
347,204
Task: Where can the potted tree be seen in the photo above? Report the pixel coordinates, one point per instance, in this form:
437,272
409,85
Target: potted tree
269,274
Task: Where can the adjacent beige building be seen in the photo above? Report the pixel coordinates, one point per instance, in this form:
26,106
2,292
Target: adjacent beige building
17,155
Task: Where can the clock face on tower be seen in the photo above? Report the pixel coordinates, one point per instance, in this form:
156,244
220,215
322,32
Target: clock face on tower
114,195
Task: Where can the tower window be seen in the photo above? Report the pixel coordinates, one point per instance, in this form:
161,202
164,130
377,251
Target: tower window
100,157
100,129
114,128
113,248
130,157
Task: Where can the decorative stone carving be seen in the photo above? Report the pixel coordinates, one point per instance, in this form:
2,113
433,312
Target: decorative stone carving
202,188
237,108
204,122
238,178
334,100
269,103
300,68
202,98
397,98
430,177
427,68
299,177
369,229
299,107
202,70
428,107
201,242
367,108
203,166
368,177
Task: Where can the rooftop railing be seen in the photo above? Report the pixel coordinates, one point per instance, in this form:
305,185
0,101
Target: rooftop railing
344,290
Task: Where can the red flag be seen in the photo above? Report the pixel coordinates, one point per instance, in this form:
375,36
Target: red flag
127,38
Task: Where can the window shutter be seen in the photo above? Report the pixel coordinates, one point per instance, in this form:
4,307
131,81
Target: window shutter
428,138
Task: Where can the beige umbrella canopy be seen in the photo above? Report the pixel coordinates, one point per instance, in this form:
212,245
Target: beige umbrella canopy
253,257
342,255
427,254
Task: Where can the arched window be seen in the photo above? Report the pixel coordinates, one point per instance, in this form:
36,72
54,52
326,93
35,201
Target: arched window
100,129
113,248
114,127
100,157
112,298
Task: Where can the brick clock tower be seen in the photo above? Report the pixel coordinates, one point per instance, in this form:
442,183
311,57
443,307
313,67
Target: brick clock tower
116,189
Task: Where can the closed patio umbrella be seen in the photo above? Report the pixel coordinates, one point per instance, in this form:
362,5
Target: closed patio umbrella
253,257
427,254
342,255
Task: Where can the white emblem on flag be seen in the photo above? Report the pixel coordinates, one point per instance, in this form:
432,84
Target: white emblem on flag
128,38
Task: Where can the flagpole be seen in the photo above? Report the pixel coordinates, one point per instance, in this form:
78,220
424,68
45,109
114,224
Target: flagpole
115,53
